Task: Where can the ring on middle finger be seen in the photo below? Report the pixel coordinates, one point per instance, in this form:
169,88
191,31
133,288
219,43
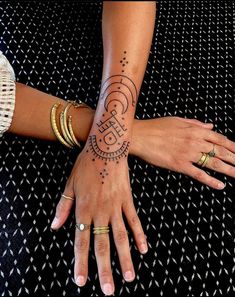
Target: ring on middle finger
101,230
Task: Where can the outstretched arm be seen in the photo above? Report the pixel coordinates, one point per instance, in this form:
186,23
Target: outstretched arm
100,177
127,35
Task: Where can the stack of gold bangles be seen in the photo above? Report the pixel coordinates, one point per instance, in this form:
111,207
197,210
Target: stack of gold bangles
66,136
205,158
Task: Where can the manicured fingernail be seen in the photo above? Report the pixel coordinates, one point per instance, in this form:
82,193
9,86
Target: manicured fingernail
54,223
107,289
80,281
143,248
221,185
128,275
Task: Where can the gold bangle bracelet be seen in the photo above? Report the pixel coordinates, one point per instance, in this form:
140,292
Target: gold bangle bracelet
65,120
54,126
68,127
72,133
66,135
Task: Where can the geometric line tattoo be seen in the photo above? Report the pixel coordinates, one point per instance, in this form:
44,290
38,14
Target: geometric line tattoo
108,156
118,93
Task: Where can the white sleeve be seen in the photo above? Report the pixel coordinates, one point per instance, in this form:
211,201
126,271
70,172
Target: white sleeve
7,94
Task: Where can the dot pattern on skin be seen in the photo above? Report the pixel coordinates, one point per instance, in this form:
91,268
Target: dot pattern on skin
123,62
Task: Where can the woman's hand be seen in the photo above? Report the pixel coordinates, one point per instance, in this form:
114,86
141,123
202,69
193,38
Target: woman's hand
177,143
101,196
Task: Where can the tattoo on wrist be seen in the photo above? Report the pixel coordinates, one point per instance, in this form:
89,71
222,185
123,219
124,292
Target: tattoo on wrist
118,95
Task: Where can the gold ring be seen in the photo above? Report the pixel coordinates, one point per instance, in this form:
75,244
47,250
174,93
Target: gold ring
206,160
202,159
101,230
67,197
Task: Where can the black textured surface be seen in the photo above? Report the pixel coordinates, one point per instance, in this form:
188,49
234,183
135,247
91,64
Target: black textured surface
57,47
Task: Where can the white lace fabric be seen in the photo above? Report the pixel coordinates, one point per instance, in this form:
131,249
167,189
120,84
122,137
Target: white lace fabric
7,94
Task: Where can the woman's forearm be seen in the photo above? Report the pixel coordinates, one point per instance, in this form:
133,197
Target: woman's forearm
31,116
127,36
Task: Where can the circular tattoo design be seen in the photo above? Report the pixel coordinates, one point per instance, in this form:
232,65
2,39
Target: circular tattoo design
119,88
122,151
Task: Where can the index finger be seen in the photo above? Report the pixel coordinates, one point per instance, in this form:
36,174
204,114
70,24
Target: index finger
219,139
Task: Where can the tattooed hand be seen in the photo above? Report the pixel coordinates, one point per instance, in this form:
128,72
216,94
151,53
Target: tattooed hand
101,204
100,183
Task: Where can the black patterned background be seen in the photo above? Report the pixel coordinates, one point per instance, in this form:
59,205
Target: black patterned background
57,48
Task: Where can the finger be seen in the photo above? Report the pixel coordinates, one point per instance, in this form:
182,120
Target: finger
201,176
136,227
123,247
81,245
219,166
197,122
63,210
102,253
224,154
219,139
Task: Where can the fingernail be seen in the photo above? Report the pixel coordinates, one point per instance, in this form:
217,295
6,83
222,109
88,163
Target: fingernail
143,248
54,223
128,275
107,289
80,281
221,185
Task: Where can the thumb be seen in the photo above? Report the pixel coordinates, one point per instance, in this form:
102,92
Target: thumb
63,210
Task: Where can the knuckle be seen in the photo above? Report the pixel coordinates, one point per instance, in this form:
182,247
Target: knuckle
135,220
215,163
101,247
198,175
231,170
81,244
121,237
81,266
221,139
228,154
105,274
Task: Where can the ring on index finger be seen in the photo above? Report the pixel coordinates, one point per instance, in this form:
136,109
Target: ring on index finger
82,226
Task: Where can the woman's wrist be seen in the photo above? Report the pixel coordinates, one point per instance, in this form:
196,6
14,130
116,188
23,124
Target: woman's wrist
82,122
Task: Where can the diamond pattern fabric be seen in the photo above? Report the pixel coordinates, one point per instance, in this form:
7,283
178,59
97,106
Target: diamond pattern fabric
57,47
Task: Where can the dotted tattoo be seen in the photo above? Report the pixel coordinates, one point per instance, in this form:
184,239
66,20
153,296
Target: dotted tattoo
123,62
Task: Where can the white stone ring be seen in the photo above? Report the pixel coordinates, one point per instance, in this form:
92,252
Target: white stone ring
82,227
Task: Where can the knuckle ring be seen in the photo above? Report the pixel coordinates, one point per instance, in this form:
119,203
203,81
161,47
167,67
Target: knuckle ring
212,152
82,227
101,230
67,197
